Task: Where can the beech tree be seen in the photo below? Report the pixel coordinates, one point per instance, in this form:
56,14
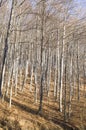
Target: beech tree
44,48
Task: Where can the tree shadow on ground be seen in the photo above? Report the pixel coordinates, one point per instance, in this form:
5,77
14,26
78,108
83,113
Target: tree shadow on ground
64,125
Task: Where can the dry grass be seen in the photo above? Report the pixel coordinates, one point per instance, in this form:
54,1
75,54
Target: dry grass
24,111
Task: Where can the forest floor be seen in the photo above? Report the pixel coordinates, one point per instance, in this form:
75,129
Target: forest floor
23,113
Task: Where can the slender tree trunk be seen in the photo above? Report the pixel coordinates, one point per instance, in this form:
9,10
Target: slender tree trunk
41,63
49,73
11,89
16,80
56,67
58,89
5,48
71,86
78,71
31,78
62,70
35,97
65,113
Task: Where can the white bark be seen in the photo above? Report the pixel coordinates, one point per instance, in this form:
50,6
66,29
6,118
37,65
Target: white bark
62,71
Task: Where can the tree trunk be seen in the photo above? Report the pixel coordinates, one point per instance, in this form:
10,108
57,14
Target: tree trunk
5,48
62,70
